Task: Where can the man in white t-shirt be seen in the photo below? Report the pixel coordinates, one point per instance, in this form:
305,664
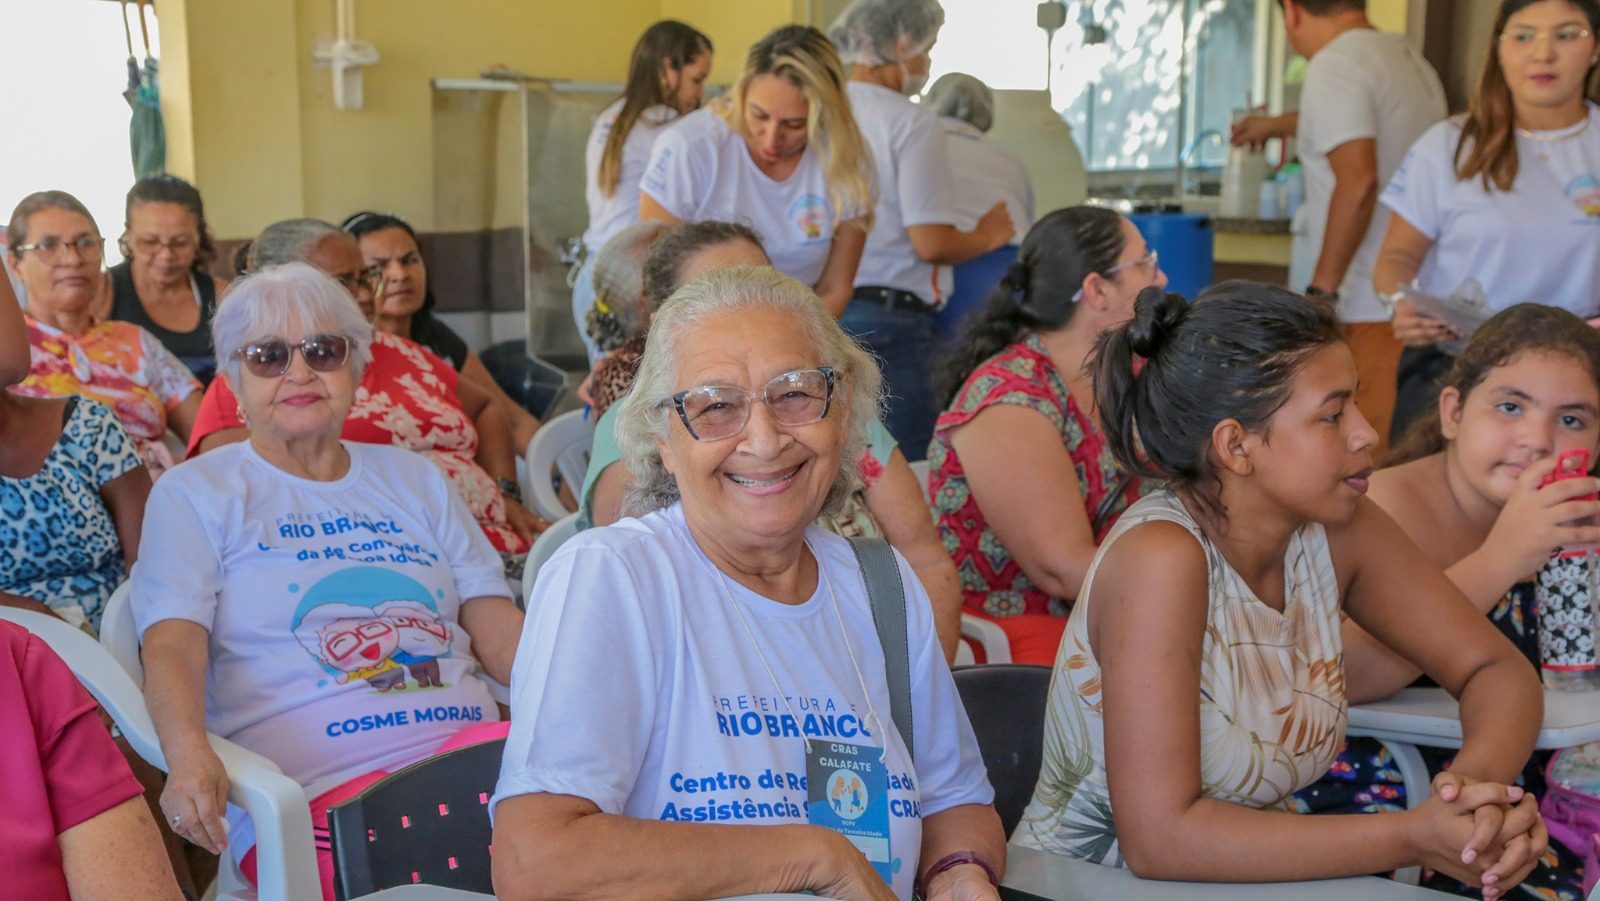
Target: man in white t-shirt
904,276
1367,97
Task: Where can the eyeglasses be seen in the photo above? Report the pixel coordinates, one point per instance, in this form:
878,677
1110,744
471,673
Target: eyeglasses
50,250
1149,262
370,279
714,412
148,245
1563,37
270,358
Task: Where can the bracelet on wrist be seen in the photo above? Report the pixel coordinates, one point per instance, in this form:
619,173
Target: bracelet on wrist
510,488
951,861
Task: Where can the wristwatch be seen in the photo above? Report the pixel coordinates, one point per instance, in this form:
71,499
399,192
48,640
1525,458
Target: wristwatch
1329,297
510,488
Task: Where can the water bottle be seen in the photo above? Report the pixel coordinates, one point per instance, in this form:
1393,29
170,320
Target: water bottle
1267,201
1569,586
1294,189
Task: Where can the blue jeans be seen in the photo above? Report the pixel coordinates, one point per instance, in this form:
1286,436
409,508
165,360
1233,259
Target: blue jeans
903,341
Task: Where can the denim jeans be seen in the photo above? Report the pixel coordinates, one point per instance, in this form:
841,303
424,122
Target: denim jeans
903,341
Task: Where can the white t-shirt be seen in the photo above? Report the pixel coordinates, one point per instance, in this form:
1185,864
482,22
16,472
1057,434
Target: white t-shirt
609,215
701,169
986,173
1539,242
914,188
679,719
333,607
1365,84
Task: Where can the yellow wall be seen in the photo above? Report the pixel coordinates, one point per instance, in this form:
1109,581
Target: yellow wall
1389,15
732,25
252,121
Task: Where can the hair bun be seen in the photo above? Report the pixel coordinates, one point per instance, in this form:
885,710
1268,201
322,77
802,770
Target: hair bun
1156,316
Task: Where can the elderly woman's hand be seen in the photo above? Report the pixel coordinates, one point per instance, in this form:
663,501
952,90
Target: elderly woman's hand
967,883
523,521
196,797
842,872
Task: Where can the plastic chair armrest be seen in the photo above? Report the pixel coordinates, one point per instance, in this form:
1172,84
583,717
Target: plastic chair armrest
996,646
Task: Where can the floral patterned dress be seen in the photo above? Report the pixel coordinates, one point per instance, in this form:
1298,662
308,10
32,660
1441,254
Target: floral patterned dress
58,542
1272,703
992,584
1364,778
120,365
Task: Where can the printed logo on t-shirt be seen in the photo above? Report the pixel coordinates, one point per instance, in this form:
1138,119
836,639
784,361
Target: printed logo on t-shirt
655,179
810,217
1584,192
372,624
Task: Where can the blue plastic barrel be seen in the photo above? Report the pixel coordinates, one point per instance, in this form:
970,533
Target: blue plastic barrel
1185,244
974,280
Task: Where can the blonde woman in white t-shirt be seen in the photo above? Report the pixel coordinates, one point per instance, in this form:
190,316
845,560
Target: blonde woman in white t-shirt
666,79
1507,195
802,178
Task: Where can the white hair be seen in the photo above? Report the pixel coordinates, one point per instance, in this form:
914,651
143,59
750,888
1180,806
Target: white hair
288,241
273,301
875,32
960,96
644,415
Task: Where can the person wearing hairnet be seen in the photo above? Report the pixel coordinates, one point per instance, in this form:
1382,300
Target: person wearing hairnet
904,276
983,171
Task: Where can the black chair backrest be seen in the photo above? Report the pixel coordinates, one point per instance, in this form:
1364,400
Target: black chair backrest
1006,704
427,823
537,385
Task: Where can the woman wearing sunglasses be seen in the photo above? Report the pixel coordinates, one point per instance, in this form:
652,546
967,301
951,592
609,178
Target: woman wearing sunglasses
1022,483
740,648
302,591
408,397
56,249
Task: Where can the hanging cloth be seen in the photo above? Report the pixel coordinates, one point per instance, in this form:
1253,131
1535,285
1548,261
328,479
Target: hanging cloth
147,135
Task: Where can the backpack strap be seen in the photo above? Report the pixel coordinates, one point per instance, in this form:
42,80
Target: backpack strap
887,595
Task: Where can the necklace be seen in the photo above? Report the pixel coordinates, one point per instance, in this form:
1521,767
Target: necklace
1556,136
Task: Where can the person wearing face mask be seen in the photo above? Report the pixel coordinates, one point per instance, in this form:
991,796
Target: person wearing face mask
782,155
162,286
905,277
1507,195
666,80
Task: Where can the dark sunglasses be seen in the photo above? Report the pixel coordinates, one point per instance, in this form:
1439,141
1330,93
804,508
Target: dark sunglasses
270,358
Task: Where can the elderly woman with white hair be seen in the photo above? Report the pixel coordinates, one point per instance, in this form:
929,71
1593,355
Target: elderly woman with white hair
904,277
736,736
302,584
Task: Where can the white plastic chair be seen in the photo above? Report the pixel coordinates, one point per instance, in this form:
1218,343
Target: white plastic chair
989,636
563,445
964,656
286,863
544,547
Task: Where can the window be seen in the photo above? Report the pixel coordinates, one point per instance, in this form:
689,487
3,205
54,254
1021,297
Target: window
1118,71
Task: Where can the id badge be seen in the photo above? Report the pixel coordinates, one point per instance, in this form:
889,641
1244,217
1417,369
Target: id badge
847,790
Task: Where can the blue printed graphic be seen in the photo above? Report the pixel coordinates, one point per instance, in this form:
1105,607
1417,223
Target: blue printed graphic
375,625
1584,192
847,790
810,217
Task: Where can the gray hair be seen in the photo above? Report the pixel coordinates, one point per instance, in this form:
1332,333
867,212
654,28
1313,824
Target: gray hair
269,302
960,96
644,415
288,241
875,32
619,312
17,229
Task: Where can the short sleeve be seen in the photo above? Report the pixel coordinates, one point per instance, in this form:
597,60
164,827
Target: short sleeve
442,340
1419,187
1341,94
1016,381
170,379
179,572
922,171
473,560
680,172
581,722
949,765
84,774
219,411
602,455
96,443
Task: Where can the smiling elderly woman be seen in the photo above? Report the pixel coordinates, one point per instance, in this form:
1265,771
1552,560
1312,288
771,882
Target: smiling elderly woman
741,664
293,586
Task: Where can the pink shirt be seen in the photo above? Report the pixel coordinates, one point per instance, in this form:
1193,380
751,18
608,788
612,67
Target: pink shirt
58,765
